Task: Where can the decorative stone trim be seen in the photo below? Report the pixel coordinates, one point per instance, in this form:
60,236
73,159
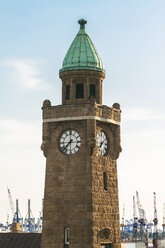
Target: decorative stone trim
77,118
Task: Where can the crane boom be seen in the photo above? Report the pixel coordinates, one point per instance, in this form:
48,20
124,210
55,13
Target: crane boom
11,202
139,205
141,219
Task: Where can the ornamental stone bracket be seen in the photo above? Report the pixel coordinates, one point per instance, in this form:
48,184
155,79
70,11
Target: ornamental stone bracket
105,235
44,148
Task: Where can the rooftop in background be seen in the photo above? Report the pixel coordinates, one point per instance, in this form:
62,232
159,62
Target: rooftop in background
21,240
82,54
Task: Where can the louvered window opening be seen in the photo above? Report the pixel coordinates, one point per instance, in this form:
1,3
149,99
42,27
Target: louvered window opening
67,92
92,90
79,91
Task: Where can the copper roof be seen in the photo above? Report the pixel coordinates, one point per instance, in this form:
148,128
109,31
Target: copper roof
82,54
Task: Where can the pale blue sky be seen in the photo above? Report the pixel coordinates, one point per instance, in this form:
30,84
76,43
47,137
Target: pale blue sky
130,38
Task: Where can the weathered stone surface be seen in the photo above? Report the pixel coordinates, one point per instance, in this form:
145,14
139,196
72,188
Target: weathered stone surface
74,185
62,111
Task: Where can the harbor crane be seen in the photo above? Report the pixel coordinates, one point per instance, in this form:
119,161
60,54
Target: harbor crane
163,223
122,222
135,218
7,222
142,217
155,220
17,216
17,221
40,219
15,213
29,220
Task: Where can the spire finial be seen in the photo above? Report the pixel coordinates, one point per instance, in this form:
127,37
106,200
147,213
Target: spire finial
82,23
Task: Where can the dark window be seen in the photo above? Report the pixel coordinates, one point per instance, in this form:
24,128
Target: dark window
105,180
91,151
92,90
79,91
68,92
66,236
107,245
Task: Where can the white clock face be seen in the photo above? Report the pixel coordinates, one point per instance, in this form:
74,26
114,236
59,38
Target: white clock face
70,142
102,142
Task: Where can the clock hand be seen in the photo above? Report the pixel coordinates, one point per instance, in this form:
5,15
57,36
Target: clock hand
101,143
64,148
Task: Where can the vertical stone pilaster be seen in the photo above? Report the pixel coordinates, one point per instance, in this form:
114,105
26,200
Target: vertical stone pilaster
88,89
72,91
100,91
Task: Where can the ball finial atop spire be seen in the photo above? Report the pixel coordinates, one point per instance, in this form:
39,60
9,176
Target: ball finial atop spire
82,23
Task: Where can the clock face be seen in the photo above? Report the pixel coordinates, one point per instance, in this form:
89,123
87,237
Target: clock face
70,142
102,142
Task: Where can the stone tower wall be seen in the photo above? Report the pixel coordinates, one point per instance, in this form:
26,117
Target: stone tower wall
81,208
74,191
68,198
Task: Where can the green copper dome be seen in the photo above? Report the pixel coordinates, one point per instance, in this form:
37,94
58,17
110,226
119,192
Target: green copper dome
82,54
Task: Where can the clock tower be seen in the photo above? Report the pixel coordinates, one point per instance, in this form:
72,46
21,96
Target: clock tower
81,143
